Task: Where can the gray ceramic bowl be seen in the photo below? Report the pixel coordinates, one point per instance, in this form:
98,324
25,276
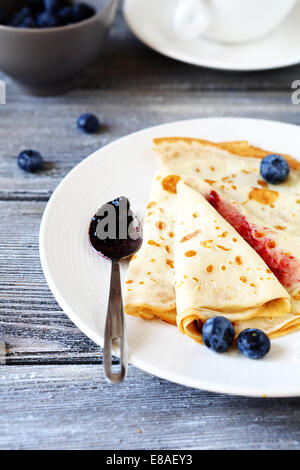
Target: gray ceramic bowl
43,58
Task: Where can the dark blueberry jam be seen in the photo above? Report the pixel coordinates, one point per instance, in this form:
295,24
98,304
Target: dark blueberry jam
115,231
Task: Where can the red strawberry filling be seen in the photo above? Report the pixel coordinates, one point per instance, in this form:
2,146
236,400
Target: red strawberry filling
285,267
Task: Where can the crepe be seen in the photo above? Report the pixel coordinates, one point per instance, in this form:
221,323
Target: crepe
149,289
233,167
266,216
274,327
217,272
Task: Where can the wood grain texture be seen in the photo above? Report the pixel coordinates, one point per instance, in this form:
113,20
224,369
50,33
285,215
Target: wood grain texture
125,63
72,407
52,391
31,323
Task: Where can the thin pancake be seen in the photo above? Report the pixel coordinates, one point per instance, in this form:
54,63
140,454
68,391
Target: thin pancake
216,271
149,291
267,216
274,327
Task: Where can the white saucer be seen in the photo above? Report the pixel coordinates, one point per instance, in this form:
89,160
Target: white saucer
151,22
79,278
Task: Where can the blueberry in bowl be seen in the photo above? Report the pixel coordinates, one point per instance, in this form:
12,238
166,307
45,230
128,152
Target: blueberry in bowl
81,12
46,19
52,6
47,13
45,43
3,18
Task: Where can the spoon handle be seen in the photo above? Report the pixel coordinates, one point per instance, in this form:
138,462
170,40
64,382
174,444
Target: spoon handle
115,334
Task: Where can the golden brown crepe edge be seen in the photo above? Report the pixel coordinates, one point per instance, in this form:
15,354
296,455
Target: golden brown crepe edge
185,321
148,312
238,148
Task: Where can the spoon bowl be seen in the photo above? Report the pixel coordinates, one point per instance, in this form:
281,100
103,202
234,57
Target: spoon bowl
115,231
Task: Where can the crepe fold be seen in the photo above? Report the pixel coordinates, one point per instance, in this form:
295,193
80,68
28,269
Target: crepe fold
217,272
247,270
267,216
149,289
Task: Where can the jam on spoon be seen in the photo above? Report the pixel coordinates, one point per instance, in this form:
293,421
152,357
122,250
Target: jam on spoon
115,233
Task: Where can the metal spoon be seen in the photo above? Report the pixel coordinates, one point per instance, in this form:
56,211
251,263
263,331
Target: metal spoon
115,233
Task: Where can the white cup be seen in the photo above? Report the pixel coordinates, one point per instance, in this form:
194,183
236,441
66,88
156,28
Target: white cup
229,21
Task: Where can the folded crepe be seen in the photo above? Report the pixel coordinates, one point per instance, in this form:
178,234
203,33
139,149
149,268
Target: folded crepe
150,292
266,216
149,289
234,167
218,273
272,326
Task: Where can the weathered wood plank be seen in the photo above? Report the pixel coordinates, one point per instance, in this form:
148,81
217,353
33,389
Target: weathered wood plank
31,323
69,405
126,63
72,407
50,126
130,88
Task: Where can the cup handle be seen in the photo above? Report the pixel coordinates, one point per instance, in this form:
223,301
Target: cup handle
191,18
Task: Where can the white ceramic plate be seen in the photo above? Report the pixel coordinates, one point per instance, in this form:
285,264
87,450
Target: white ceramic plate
151,22
79,278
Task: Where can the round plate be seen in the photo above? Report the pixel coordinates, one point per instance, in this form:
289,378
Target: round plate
79,278
151,22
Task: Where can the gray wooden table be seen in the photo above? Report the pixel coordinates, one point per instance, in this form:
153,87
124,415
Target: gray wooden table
52,391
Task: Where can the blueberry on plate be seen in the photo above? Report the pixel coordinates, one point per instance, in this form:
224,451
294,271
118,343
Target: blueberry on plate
274,169
218,334
30,160
253,343
88,123
82,11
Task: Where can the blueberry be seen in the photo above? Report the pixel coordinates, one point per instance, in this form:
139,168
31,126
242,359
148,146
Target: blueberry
30,160
2,17
20,16
253,343
47,20
65,15
35,5
82,11
274,169
52,6
218,333
88,123
28,23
